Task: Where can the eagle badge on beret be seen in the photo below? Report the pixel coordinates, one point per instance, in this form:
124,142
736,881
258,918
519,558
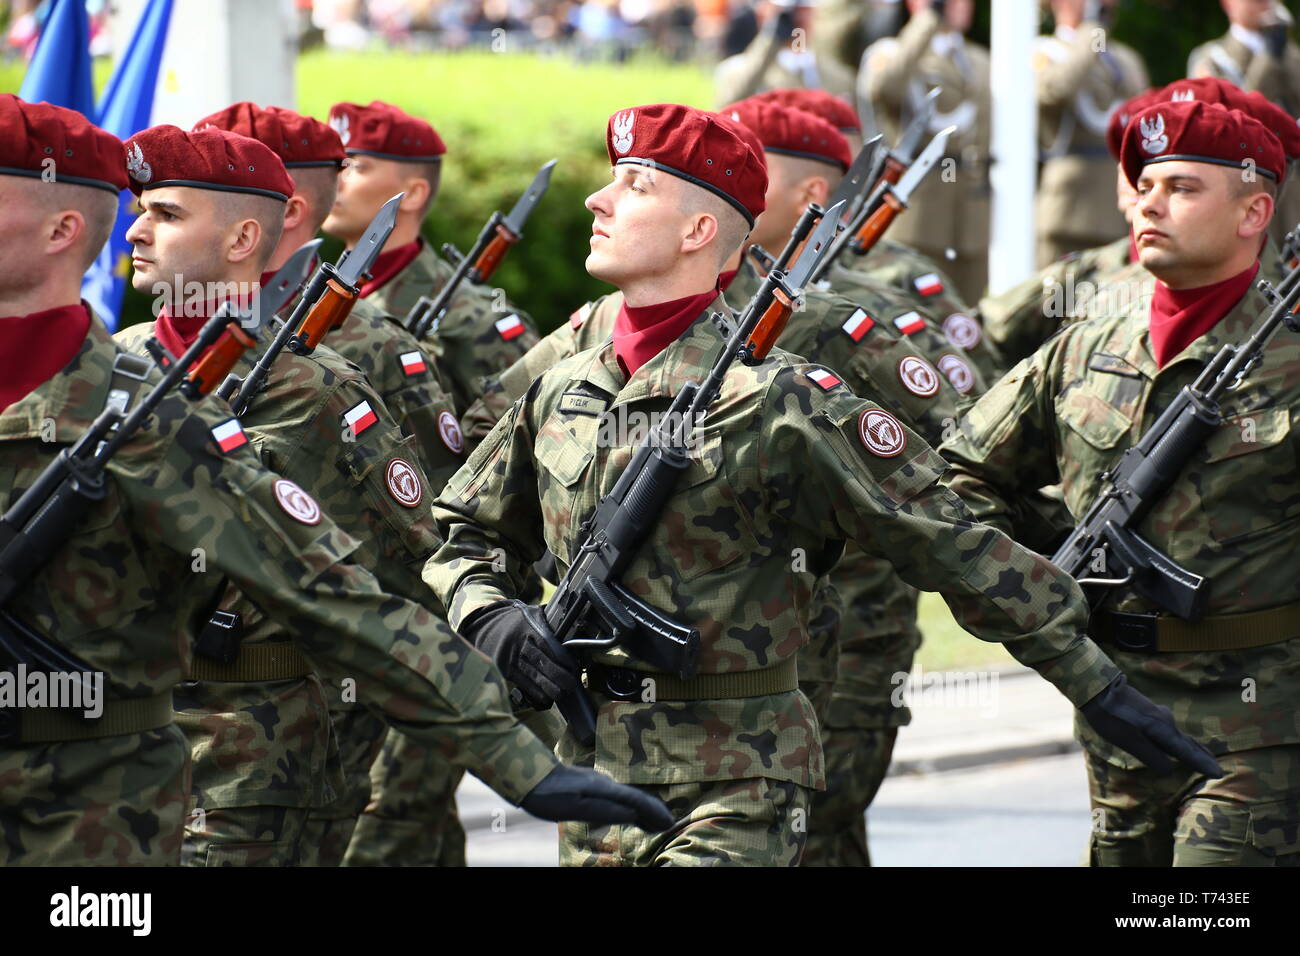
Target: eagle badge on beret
1154,140
140,171
623,131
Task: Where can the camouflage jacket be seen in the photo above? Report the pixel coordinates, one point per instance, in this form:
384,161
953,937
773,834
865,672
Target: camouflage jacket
781,469
125,592
1068,412
1021,319
406,378
481,334
924,284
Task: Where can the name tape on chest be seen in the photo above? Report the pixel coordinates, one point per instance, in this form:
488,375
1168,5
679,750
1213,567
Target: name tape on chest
824,379
882,434
359,417
404,483
928,284
858,324
962,331
413,363
909,323
576,403
918,376
296,503
511,327
449,432
229,435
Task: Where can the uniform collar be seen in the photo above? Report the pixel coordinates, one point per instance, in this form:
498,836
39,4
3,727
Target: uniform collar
1252,40
687,359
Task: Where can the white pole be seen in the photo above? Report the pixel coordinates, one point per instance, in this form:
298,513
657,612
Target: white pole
1015,143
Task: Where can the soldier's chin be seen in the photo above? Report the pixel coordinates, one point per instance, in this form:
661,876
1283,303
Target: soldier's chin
599,267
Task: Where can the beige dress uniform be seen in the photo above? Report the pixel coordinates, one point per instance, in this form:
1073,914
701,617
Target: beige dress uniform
1241,58
950,210
1082,76
768,64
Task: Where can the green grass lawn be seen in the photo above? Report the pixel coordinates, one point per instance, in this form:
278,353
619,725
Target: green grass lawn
945,646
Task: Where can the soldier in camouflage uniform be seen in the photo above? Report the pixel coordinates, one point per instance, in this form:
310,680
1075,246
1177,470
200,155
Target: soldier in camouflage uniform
950,210
792,464
396,367
187,485
388,152
1067,413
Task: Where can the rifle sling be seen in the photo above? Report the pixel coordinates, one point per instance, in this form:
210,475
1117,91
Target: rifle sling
256,662
1163,634
133,715
781,679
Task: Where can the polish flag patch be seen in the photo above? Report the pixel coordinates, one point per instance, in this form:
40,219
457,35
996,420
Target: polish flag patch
824,379
229,435
359,418
928,284
579,315
909,323
858,325
413,363
511,327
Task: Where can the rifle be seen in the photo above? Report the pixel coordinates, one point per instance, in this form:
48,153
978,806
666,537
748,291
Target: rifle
884,204
40,522
495,238
1289,255
325,305
1146,470
590,598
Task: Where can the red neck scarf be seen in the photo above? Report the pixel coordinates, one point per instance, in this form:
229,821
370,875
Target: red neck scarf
388,263
642,333
34,347
1181,316
178,332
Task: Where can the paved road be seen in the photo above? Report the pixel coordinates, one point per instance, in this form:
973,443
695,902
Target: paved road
1027,813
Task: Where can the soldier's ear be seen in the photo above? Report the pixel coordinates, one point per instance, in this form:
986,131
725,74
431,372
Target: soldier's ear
417,195
65,228
295,212
243,239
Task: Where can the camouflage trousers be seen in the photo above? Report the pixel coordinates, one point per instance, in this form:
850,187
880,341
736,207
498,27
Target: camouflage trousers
751,822
1251,817
329,830
411,818
247,836
115,801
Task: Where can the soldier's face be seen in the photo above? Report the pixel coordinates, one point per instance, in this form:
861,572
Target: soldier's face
636,230
365,183
789,191
179,233
1251,14
1191,218
1125,194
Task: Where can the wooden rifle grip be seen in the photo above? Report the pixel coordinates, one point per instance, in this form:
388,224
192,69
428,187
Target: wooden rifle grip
893,171
769,327
487,263
211,370
876,224
330,311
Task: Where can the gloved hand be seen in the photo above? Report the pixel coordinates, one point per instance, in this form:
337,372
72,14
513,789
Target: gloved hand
515,636
1276,30
579,793
1130,721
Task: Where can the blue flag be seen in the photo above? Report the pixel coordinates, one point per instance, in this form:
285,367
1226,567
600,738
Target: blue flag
124,110
60,69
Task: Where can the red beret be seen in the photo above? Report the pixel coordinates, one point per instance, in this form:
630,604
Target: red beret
792,132
383,130
207,159
828,106
298,140
699,147
1120,117
1199,133
1211,90
32,134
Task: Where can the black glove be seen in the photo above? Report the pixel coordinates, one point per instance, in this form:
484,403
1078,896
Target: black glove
1130,721
515,636
579,793
1275,37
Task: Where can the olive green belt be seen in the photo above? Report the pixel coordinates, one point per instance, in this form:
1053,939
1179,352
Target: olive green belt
256,662
133,715
624,683
1160,633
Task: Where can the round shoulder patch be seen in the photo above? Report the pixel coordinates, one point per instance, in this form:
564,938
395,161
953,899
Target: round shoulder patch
918,376
449,432
958,372
962,331
297,504
882,433
404,483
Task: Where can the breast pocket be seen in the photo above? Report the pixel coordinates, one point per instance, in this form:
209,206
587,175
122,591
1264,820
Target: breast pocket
1094,435
564,450
1248,484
